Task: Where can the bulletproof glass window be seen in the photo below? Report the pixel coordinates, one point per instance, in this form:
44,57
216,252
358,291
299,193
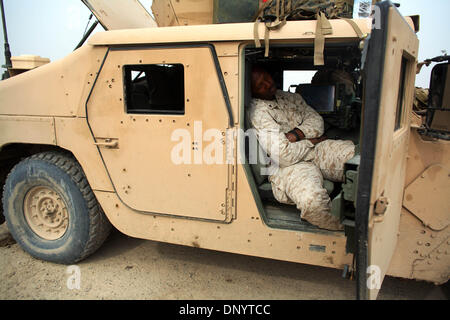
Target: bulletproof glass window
401,94
154,89
320,97
292,78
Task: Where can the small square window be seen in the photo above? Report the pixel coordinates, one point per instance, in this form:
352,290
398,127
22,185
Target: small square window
154,89
401,95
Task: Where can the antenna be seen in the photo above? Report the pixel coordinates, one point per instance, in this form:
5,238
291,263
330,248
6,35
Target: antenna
8,63
87,34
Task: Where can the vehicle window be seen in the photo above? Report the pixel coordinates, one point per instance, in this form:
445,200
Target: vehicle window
154,89
292,78
401,95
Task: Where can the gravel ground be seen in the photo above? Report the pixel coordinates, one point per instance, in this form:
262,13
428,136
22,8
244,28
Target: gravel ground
128,268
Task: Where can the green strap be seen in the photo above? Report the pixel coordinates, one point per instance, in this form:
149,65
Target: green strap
277,10
261,10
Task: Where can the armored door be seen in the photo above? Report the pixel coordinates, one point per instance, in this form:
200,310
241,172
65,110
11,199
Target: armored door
389,73
159,116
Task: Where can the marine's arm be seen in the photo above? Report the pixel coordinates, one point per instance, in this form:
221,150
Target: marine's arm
273,141
296,135
310,122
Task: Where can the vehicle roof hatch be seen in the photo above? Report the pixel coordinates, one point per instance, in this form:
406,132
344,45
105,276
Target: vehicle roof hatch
120,14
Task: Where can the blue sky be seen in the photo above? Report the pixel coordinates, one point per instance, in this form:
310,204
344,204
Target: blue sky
52,28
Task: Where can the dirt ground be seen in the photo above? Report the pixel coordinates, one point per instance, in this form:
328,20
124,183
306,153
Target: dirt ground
128,268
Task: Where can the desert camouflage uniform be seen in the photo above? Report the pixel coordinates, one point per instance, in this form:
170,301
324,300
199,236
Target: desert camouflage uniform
330,157
302,166
284,114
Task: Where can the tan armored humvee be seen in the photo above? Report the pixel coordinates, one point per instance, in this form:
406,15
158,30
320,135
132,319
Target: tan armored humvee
123,131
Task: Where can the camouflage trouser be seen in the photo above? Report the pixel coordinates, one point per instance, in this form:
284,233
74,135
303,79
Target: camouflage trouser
331,155
302,184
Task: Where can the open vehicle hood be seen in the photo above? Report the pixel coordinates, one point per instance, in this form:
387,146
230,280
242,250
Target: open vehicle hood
120,14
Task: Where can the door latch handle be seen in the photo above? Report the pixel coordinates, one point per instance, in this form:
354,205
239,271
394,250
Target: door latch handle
107,143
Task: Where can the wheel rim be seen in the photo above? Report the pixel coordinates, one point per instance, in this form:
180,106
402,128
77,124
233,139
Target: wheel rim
46,213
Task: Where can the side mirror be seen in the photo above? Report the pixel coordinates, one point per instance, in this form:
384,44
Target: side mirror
438,113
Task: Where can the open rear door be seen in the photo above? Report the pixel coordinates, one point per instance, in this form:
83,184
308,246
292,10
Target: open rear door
389,72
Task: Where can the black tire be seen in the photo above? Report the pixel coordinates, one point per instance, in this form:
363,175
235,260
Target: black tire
446,289
87,226
2,217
